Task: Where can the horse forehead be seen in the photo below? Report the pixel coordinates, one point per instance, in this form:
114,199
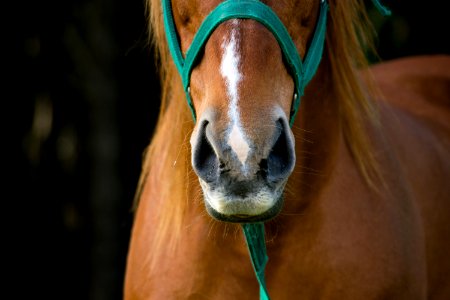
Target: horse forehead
192,13
206,6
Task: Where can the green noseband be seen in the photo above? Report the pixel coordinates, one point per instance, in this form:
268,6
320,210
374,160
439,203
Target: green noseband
302,71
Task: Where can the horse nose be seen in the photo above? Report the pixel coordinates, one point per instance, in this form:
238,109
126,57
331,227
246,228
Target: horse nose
272,161
204,159
280,161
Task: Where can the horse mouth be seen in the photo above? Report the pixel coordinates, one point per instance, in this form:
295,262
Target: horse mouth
258,207
246,218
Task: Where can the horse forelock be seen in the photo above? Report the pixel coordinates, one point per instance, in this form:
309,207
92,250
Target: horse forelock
349,35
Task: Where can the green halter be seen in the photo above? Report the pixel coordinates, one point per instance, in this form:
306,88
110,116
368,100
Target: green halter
301,71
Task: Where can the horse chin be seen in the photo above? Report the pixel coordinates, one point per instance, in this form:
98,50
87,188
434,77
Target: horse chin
259,207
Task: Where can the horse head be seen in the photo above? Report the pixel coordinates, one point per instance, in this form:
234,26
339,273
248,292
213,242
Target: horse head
242,88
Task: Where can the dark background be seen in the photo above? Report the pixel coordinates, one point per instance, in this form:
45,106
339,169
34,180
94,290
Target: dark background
80,98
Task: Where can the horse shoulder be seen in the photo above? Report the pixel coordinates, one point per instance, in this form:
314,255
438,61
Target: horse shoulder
415,117
419,85
415,114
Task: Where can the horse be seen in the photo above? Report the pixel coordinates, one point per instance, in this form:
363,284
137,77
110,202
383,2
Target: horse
353,191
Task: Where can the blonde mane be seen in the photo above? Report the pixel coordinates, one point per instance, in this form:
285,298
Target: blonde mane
166,166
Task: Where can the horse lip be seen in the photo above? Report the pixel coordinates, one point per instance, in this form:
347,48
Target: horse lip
269,214
243,216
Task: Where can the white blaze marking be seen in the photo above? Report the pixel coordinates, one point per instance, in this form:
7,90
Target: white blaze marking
237,142
229,68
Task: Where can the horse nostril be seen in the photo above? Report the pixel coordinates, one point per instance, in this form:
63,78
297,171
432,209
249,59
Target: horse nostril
204,159
263,167
281,160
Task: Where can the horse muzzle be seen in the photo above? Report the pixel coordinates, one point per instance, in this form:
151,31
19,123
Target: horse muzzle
243,178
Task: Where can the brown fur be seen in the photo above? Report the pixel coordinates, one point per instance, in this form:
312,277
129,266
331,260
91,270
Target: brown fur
362,211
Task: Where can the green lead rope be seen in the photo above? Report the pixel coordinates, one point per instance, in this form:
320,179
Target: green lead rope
256,243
